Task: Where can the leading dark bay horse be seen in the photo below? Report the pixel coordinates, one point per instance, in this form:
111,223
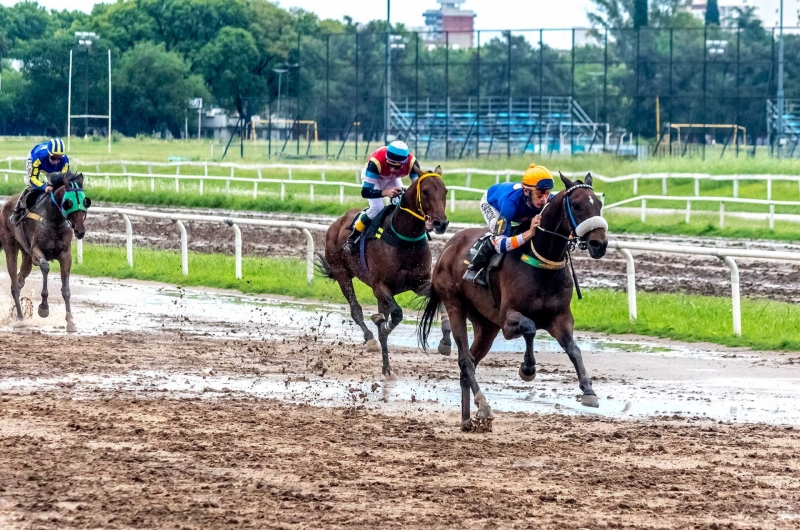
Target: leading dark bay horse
531,290
45,235
390,269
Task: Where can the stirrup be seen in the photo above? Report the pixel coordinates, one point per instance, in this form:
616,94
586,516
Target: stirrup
475,276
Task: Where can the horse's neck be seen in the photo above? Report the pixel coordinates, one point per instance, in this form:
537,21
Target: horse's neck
47,209
405,223
546,244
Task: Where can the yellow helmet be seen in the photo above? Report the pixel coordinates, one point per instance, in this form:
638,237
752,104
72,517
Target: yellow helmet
538,177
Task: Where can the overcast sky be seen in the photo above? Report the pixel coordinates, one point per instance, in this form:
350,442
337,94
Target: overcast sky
492,14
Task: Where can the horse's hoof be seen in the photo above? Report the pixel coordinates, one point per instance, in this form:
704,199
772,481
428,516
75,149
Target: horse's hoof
467,426
444,349
373,346
484,413
589,400
71,328
390,376
483,425
378,319
44,312
527,375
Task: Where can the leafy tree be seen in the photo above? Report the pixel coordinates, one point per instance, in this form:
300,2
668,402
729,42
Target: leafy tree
152,90
232,66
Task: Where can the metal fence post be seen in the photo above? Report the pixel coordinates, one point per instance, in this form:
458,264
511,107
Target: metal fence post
237,248
128,239
631,277
184,248
735,299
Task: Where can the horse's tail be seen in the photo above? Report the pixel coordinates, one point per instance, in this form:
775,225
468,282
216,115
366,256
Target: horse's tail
322,267
427,319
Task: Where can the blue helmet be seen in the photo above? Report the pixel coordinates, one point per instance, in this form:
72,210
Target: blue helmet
55,147
397,153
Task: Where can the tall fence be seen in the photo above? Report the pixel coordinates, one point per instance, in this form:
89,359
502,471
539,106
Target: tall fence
703,91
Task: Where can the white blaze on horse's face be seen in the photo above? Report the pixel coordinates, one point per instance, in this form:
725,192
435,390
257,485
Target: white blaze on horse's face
591,200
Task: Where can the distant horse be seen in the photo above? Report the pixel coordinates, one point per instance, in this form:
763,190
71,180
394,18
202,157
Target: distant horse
45,235
531,290
396,260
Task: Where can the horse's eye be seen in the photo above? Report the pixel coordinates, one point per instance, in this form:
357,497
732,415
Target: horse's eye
425,192
577,206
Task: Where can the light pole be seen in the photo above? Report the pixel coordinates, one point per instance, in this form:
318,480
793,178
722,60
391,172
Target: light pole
280,72
85,40
388,69
780,84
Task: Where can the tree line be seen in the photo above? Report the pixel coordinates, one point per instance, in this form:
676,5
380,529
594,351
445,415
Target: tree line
235,53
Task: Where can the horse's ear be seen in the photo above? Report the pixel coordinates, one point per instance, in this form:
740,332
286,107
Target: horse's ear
438,170
567,182
79,179
588,180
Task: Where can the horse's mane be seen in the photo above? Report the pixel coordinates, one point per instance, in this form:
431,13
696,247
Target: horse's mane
62,179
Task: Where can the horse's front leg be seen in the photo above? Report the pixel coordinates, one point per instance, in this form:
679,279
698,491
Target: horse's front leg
11,267
389,317
561,329
65,263
514,325
24,270
38,257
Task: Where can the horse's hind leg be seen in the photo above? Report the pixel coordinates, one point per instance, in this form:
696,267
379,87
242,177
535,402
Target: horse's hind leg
11,266
561,329
36,254
346,285
65,263
514,326
388,309
445,345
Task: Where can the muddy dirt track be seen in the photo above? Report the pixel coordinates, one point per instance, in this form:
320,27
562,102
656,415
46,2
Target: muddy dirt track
655,272
130,453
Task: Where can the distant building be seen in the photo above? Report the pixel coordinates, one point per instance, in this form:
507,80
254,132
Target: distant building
768,11
449,24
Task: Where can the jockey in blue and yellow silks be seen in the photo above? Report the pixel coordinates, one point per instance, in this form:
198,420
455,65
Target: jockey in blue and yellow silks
507,203
47,157
382,178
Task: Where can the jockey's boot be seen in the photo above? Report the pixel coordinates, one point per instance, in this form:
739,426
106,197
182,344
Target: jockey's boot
476,270
351,245
20,209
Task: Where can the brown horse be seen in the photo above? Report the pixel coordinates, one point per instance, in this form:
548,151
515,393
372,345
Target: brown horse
45,235
390,269
532,290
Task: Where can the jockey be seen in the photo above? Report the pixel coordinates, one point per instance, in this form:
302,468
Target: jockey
47,157
382,178
507,203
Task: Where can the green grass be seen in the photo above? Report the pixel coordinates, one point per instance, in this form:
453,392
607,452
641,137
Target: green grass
766,324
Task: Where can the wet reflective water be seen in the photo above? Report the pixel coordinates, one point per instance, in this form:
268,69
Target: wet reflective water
633,378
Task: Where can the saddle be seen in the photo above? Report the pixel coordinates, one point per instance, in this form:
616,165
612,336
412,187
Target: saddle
376,231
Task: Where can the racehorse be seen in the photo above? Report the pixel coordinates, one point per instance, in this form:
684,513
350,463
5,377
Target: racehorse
531,290
397,260
45,235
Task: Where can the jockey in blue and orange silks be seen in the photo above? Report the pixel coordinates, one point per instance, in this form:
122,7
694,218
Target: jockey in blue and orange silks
46,157
506,203
382,178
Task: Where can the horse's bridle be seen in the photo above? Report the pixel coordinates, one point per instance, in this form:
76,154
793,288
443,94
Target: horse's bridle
577,230
421,214
78,200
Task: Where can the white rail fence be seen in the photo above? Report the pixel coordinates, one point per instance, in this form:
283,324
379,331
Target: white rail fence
727,255
689,200
500,175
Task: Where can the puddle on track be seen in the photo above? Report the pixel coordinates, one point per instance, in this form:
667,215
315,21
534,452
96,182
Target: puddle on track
633,379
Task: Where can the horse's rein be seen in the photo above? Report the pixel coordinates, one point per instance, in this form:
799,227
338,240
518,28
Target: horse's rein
421,215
